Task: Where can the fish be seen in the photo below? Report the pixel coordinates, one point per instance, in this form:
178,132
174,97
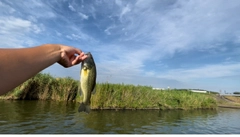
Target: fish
88,75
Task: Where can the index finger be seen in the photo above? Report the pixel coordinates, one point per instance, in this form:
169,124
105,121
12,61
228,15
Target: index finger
78,51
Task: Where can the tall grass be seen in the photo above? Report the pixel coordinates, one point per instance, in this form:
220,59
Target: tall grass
44,87
122,96
110,96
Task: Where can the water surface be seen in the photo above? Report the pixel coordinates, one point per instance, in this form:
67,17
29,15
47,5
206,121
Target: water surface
50,117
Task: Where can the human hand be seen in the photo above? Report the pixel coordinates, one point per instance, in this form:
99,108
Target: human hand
70,56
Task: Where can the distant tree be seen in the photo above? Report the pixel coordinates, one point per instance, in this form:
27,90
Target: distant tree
236,92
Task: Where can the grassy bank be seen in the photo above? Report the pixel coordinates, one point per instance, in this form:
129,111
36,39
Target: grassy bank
44,87
110,96
143,97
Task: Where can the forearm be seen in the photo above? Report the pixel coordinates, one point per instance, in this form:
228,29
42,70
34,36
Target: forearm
18,65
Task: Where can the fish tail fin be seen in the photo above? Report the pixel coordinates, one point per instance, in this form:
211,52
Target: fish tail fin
84,108
88,109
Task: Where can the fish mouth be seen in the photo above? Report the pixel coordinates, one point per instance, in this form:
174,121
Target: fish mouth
88,53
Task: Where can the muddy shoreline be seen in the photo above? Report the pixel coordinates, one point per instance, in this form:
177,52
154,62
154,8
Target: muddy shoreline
228,101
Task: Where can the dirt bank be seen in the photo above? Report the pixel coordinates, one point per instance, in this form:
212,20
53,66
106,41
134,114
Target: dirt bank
228,101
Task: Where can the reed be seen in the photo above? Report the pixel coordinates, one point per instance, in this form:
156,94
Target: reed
120,96
110,96
44,87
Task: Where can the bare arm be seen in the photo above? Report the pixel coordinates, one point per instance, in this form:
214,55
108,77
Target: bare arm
18,65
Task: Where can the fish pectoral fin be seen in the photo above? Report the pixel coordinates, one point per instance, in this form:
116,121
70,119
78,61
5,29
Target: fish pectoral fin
80,90
93,91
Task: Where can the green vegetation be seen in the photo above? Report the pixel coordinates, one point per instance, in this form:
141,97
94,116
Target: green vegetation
110,96
44,87
236,92
143,97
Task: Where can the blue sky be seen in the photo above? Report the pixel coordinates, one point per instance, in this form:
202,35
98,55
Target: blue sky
159,43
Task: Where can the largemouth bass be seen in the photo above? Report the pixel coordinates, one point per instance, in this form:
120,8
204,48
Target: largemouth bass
88,74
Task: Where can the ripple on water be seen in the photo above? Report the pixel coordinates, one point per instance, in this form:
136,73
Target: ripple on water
51,117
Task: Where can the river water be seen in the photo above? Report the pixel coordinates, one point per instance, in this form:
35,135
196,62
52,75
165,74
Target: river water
51,117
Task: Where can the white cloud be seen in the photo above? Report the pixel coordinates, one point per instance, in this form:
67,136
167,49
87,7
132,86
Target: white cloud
117,60
108,29
58,33
6,9
36,9
71,8
206,71
125,35
15,31
180,26
83,16
154,30
92,11
79,36
74,37
118,2
13,24
237,40
125,10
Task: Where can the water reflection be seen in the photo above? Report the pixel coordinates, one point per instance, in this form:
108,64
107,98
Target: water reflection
109,121
142,121
48,117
